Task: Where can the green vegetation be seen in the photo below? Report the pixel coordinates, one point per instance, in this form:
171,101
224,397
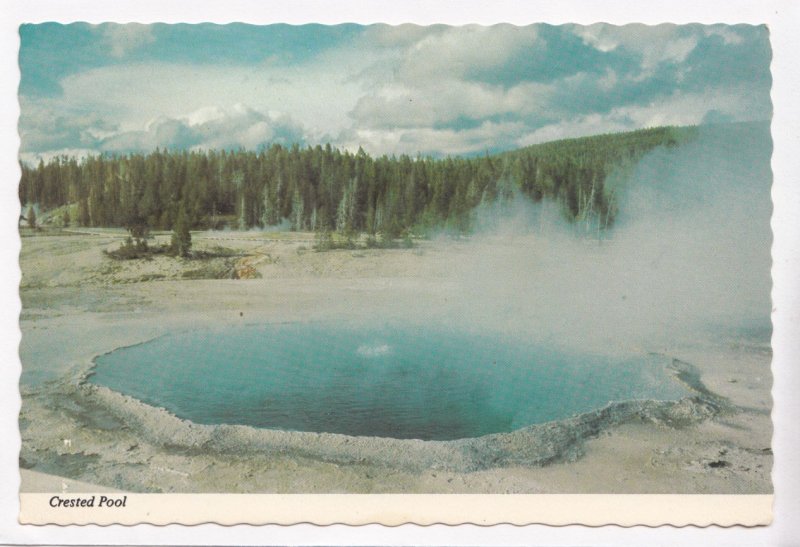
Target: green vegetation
326,241
31,218
181,242
330,191
133,249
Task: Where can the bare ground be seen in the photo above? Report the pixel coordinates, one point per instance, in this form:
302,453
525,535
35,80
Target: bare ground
77,303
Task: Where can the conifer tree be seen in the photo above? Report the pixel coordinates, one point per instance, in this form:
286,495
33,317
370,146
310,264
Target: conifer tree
297,212
83,213
181,237
31,217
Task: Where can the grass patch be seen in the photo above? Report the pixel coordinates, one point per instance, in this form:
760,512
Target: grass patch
326,241
43,231
140,250
215,252
152,277
136,250
223,269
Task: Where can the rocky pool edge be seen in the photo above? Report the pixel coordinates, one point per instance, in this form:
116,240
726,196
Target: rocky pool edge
532,446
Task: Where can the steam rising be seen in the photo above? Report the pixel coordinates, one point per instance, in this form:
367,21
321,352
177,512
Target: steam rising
690,252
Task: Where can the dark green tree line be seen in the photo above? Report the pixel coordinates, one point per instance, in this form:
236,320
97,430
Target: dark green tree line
328,190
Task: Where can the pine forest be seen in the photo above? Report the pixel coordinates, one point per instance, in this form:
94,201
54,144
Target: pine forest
324,189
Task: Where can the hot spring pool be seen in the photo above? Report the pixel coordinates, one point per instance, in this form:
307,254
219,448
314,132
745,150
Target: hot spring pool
390,381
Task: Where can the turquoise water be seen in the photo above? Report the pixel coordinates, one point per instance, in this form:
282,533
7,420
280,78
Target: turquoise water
390,381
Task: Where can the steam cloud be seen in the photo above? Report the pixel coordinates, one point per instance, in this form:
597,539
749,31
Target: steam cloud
689,253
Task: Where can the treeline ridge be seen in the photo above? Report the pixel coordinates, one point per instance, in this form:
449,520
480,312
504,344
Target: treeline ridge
323,189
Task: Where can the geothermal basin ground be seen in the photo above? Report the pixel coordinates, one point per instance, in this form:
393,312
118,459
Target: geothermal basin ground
79,304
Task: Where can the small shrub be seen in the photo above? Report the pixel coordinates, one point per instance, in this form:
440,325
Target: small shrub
32,218
326,242
181,242
136,249
323,241
224,269
214,252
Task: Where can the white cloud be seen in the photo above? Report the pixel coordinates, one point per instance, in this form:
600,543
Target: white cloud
449,100
209,128
655,44
122,39
400,89
431,141
460,49
691,108
678,109
204,115
582,126
132,94
728,35
47,124
394,36
33,158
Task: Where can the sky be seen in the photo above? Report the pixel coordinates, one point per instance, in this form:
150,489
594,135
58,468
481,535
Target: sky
429,90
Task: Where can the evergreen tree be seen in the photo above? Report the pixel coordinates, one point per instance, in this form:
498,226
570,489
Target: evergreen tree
139,230
267,210
83,213
181,237
297,212
31,217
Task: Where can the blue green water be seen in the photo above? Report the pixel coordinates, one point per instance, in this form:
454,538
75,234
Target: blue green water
388,381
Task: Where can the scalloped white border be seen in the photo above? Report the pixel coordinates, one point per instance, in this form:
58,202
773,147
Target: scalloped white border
782,17
398,509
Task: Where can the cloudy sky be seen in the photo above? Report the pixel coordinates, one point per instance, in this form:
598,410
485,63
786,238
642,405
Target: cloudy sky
409,89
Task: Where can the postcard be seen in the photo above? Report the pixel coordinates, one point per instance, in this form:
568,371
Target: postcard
395,273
